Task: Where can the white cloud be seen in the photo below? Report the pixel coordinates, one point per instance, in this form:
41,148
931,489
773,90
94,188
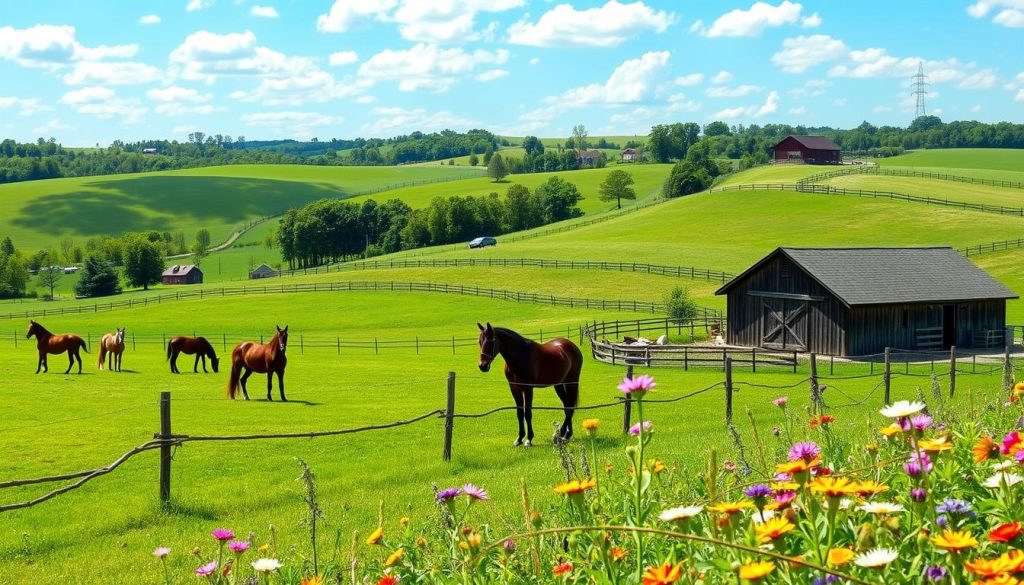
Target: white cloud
604,26
729,92
394,121
631,82
52,47
812,21
194,5
343,58
881,109
799,54
1010,14
150,19
49,127
206,56
433,22
26,106
976,108
264,11
104,104
1019,97
983,79
875,62
752,22
722,77
691,79
297,124
344,13
365,99
112,73
811,88
798,111
679,103
177,101
770,106
491,75
426,66
305,86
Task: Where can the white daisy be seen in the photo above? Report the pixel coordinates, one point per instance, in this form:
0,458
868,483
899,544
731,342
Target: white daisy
1003,465
680,513
876,558
266,565
999,479
763,516
903,408
881,508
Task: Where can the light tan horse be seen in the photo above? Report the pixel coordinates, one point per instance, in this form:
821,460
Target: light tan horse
112,349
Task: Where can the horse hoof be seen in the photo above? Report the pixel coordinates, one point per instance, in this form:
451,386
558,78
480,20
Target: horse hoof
528,443
518,443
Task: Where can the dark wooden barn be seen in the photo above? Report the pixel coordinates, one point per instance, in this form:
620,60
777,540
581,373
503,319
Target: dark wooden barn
182,274
815,150
858,301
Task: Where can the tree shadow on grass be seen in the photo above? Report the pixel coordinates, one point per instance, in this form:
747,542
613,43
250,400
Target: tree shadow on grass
159,203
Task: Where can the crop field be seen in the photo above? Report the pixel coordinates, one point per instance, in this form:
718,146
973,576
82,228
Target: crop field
103,531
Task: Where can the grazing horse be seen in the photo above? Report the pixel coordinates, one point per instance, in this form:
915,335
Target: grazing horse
191,345
112,345
530,365
48,343
267,358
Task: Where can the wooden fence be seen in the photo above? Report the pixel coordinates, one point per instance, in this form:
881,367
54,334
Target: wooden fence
891,172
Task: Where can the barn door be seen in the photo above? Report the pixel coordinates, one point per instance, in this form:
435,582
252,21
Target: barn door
784,323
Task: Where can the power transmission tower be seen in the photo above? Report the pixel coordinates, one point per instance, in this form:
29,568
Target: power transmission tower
920,84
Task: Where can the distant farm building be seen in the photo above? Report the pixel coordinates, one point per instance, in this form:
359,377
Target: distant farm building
858,301
629,155
261,271
148,151
814,150
182,274
589,158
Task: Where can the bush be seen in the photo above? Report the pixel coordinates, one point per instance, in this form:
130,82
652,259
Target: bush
680,306
98,278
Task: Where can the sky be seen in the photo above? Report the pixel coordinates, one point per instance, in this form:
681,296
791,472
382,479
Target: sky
90,72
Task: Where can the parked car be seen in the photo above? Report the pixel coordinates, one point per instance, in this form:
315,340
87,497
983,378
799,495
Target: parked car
483,242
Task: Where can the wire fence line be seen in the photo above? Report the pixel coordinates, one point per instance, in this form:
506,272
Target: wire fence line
891,172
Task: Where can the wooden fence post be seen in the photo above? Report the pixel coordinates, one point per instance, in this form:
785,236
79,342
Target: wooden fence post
627,405
815,392
15,340
887,376
728,390
165,447
952,370
449,418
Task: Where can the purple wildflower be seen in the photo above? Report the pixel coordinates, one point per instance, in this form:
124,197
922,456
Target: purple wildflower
207,569
509,546
953,506
918,494
936,573
238,546
942,522
806,451
223,534
638,386
161,552
826,580
758,491
920,422
448,494
781,401
475,492
919,463
1019,456
647,427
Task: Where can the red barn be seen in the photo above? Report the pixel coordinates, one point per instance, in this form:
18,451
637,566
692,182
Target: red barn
182,274
815,150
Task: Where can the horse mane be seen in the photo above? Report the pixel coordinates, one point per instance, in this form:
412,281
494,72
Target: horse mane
519,346
40,329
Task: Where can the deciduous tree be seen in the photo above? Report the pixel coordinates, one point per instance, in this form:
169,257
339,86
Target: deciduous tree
618,185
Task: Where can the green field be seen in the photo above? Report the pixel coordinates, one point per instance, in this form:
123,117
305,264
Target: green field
1002,159
38,214
105,531
937,188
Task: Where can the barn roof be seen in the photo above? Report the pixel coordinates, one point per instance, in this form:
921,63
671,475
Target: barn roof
880,276
813,142
179,269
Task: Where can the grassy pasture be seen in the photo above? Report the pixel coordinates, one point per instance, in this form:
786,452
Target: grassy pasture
999,159
951,190
102,532
38,214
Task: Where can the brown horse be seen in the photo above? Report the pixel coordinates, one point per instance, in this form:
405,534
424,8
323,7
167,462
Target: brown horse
530,365
48,343
112,345
198,346
266,359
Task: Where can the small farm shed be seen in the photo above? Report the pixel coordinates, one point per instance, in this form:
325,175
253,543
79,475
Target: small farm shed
858,301
261,271
182,274
815,150
589,158
629,155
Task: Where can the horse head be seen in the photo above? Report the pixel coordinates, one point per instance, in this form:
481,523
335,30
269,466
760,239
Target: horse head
488,341
282,338
120,335
216,362
32,327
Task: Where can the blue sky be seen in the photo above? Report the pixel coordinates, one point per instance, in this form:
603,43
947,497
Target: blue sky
89,72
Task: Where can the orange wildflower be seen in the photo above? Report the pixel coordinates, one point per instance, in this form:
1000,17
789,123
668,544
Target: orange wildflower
893,429
833,487
561,569
618,553
576,486
730,508
756,571
955,540
869,488
314,580
988,568
984,449
664,575
838,557
822,420
1005,532
375,536
798,466
773,529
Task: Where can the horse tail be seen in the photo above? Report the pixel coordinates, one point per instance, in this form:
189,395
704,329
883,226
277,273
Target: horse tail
236,372
169,350
102,356
85,347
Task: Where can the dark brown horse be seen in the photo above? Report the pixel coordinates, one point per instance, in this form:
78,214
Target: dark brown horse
197,346
48,343
267,358
530,365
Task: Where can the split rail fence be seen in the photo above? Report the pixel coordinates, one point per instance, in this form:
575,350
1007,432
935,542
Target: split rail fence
890,172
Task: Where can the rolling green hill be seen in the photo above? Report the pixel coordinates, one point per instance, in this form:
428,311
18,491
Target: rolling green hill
961,158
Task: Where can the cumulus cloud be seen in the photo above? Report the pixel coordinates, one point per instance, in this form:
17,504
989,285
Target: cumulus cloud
691,79
194,5
291,123
26,106
753,21
177,101
722,77
801,53
1019,97
50,127
311,85
491,75
394,121
770,106
604,26
206,56
343,58
983,79
631,82
876,62
149,19
730,92
1008,13
811,88
112,73
812,21
264,11
433,22
52,47
798,111
105,104
426,66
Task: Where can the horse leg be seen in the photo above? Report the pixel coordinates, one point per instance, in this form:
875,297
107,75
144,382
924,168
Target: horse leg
71,362
174,362
528,395
203,357
39,363
270,384
569,392
562,393
242,380
120,356
46,364
78,356
517,395
280,384
195,366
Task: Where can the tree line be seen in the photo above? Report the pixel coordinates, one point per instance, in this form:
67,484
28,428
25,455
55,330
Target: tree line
332,230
